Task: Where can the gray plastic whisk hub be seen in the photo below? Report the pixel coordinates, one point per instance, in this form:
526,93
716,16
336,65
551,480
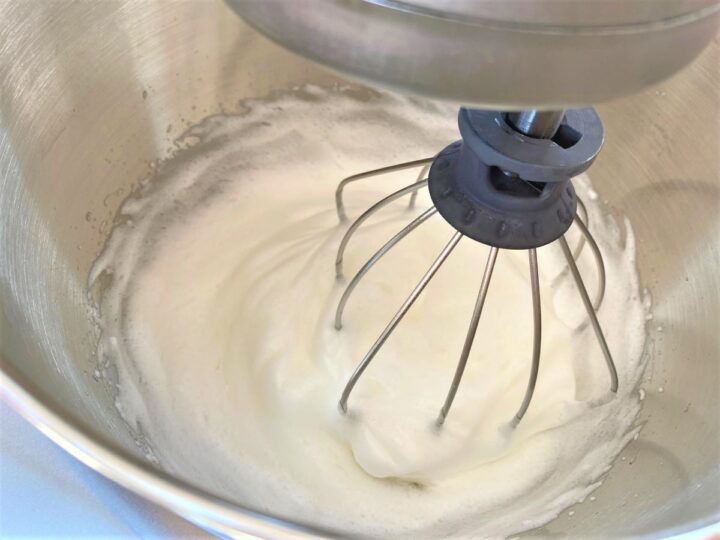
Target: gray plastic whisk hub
506,189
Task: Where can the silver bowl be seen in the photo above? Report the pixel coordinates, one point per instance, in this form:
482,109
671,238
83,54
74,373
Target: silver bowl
91,93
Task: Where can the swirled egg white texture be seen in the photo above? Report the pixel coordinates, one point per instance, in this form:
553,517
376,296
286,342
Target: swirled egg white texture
219,321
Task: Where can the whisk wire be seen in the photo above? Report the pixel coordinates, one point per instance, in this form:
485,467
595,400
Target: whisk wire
470,337
339,203
422,174
444,254
537,335
375,258
365,215
600,294
591,312
581,209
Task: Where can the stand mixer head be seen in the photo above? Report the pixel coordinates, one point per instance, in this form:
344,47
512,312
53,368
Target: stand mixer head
496,54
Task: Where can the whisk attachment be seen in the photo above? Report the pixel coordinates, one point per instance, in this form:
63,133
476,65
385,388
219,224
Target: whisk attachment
505,186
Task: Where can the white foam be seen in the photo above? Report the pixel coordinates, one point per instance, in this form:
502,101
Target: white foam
219,321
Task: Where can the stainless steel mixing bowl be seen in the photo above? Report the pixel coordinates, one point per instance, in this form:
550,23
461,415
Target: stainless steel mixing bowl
92,92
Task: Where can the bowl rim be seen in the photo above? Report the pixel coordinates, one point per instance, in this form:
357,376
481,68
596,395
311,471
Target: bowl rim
605,29
113,462
186,500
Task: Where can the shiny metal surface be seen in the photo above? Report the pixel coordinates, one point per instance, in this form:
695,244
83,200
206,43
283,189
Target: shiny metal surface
592,13
534,123
91,93
520,54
